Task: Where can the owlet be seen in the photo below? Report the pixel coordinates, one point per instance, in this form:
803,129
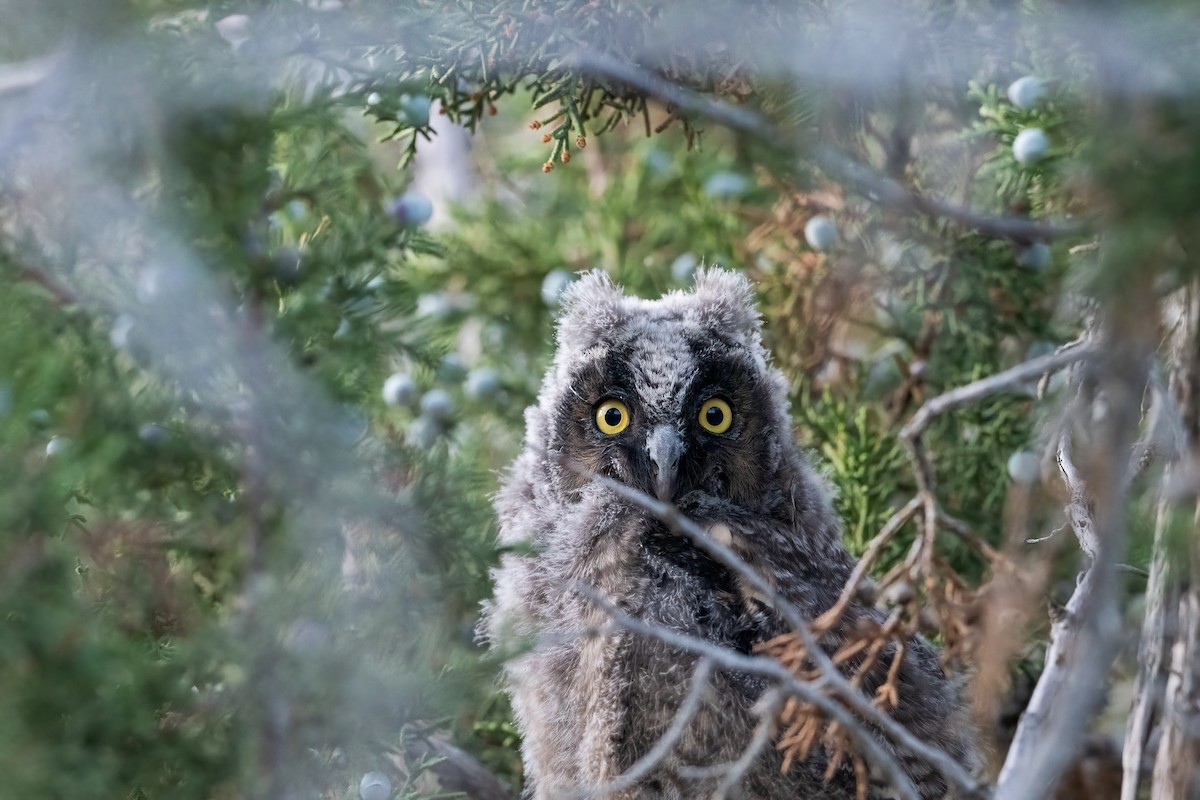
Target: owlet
675,398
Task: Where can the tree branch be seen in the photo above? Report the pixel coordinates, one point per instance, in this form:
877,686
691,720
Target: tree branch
858,177
1084,639
830,676
993,384
807,690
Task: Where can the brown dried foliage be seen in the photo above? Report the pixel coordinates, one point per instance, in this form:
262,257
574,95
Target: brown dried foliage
868,652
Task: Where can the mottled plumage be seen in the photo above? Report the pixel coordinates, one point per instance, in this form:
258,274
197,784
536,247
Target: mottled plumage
589,706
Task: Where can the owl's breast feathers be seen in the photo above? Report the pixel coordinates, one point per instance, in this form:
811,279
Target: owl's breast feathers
689,592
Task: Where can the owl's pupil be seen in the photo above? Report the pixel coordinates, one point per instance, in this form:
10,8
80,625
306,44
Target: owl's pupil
612,417
714,416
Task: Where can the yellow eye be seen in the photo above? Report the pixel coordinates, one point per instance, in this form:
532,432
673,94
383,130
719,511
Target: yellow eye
715,415
612,417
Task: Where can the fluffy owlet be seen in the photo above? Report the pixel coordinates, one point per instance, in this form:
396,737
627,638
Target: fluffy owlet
676,398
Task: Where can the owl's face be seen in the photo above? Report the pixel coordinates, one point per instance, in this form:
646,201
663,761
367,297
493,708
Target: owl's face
672,397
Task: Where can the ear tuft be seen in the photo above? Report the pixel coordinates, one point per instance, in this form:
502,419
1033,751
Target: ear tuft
727,301
591,306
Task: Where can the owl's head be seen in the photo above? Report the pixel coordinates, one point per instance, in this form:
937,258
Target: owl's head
675,396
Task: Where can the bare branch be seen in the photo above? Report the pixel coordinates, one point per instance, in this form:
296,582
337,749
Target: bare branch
830,676
732,772
964,532
456,770
993,384
1151,680
807,690
888,532
758,741
1173,610
1084,638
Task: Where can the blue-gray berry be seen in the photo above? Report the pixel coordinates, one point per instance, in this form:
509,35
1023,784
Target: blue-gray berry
423,433
375,786
483,383
400,389
152,434
1026,92
684,267
1036,256
553,285
1024,467
410,209
821,233
437,305
1030,146
416,110
438,405
452,369
725,184
234,28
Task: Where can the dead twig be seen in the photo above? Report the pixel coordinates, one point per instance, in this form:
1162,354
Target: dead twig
890,528
993,384
829,677
810,691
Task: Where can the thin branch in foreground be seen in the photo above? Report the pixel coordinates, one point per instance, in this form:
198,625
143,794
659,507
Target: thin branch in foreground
758,742
808,690
967,535
829,676
890,528
733,771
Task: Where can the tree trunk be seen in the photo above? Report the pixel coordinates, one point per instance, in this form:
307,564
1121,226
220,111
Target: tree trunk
1176,773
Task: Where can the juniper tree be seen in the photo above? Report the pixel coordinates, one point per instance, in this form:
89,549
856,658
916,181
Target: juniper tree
256,378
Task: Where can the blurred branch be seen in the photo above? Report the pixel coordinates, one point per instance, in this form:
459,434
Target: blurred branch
456,770
275,716
860,178
26,75
769,706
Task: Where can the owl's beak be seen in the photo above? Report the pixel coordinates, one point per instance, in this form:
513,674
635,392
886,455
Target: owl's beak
664,447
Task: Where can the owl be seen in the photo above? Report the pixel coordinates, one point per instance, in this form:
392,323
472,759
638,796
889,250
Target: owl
675,398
